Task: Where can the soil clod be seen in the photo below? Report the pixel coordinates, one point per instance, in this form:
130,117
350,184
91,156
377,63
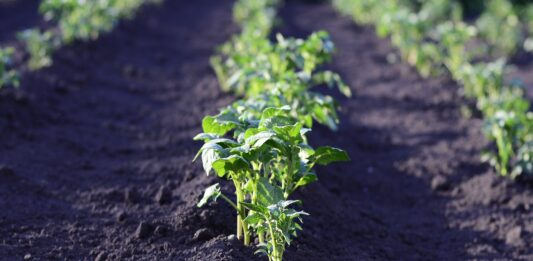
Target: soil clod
514,237
161,231
121,216
163,196
131,195
143,231
102,256
440,183
202,234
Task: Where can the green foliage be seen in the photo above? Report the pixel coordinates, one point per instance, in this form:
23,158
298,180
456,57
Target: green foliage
278,222
86,20
8,76
40,46
430,36
499,21
77,20
259,142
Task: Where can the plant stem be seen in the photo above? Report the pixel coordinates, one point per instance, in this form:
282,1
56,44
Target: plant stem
238,193
246,234
242,229
239,227
276,255
254,201
229,201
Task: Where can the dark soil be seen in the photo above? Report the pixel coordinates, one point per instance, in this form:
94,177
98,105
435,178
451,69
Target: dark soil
95,154
17,15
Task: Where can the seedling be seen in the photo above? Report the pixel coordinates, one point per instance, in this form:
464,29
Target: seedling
271,157
40,46
8,76
428,39
259,143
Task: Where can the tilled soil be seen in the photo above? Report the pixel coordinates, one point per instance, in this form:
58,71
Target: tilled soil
17,15
96,154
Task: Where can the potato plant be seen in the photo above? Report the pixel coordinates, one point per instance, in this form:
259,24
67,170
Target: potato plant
8,76
429,40
267,162
40,45
259,143
287,69
499,21
77,20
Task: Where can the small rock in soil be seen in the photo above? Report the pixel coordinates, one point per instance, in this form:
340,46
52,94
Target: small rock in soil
121,216
160,230
202,234
440,183
204,215
519,206
101,257
163,196
189,175
27,257
131,195
143,231
514,237
232,237
488,200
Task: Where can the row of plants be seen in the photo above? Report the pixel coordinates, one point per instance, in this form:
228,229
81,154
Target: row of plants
506,27
71,20
259,143
75,20
433,37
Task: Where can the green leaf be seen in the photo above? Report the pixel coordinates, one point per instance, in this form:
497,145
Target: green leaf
212,192
306,179
233,163
257,140
325,116
210,153
326,155
268,194
291,213
290,131
273,111
211,125
205,137
286,203
255,207
218,145
253,219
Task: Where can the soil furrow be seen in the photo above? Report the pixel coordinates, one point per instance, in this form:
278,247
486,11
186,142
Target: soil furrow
415,189
101,142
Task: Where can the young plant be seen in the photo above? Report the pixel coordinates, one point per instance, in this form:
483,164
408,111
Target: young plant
499,27
524,160
8,76
249,66
427,40
501,128
255,17
259,143
40,46
266,162
454,36
77,20
278,222
85,20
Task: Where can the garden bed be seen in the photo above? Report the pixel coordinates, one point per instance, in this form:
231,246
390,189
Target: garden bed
96,153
